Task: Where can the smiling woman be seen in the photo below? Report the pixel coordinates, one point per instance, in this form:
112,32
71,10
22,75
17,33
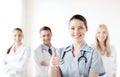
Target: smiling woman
73,66
107,51
16,57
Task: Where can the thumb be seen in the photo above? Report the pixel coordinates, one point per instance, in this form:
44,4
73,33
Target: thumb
54,54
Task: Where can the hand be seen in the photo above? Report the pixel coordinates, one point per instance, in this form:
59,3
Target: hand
55,61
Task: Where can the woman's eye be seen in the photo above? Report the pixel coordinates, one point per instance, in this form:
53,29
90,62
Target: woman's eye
81,28
98,32
72,28
104,32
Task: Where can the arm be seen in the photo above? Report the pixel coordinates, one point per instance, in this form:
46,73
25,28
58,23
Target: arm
3,55
93,75
54,72
40,61
36,57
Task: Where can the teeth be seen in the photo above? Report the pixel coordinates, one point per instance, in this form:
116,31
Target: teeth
77,36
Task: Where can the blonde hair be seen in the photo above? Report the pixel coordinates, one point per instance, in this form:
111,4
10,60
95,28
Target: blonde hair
107,41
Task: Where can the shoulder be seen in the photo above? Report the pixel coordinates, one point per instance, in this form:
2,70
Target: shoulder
39,47
93,51
37,50
90,48
92,45
113,50
62,50
112,47
24,47
65,48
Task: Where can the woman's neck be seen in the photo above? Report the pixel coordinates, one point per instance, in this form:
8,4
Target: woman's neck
77,46
102,45
16,46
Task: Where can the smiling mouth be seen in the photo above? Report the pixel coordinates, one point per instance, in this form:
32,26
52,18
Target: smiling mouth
77,36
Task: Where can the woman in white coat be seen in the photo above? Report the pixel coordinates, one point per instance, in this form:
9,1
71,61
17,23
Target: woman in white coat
16,57
108,53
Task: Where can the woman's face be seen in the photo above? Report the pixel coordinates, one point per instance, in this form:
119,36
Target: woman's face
101,34
77,30
18,36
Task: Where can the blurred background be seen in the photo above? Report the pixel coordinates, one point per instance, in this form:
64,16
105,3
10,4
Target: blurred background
31,15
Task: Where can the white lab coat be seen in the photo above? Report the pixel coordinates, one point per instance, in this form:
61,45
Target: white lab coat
15,63
110,63
41,54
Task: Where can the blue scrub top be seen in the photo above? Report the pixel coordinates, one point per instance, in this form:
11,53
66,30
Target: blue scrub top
71,67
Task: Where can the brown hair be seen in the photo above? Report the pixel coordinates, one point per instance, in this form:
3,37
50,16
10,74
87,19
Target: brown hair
79,17
8,51
18,29
45,28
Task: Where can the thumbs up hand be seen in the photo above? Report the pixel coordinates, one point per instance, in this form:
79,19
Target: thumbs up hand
55,61
54,70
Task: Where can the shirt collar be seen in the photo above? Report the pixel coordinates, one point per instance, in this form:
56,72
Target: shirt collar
85,47
46,47
13,51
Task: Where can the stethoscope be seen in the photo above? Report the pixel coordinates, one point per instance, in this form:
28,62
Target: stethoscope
85,61
82,56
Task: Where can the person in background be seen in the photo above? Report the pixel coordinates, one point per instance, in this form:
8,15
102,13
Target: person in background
42,54
78,59
108,53
16,57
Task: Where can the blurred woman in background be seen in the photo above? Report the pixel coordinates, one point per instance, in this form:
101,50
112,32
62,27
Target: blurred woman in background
102,44
16,57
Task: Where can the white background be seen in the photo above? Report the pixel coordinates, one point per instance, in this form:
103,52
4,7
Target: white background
31,15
